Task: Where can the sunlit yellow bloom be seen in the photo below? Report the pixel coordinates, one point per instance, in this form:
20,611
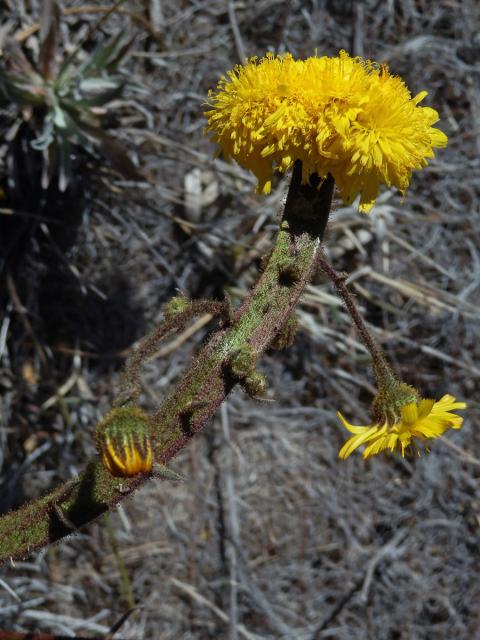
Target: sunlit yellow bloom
254,99
390,137
344,116
422,420
124,442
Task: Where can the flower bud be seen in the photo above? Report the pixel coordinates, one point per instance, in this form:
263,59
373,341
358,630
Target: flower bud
176,305
255,384
124,442
242,362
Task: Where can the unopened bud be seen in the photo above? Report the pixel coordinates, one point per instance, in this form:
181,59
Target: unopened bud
255,384
176,305
124,442
243,361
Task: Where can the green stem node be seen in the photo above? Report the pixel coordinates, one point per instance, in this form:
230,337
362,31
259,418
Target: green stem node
255,384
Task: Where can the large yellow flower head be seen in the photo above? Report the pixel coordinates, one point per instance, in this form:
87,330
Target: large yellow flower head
344,116
419,419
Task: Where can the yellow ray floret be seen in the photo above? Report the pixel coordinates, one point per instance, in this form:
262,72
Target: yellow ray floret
344,116
422,420
128,457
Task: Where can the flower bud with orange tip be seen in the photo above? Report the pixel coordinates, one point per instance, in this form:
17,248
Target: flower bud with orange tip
124,442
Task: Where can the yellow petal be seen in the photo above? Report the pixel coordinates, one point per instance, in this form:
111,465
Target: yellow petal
410,413
424,407
352,428
356,441
419,97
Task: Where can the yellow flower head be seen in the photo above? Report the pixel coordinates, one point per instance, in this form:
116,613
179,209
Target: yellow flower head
124,442
422,419
344,116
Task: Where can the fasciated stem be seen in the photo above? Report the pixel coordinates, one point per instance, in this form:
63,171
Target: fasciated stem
205,384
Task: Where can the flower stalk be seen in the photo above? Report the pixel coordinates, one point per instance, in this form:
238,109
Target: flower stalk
252,327
401,418
386,379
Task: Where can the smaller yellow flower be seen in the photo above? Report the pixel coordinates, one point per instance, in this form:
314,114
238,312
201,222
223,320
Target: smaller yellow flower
124,442
422,419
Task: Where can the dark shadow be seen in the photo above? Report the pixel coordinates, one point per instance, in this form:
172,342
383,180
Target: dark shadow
85,508
26,204
101,321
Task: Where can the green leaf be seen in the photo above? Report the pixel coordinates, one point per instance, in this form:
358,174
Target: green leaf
100,99
17,62
106,57
102,57
21,91
26,89
121,56
74,128
46,137
59,118
81,115
67,71
98,84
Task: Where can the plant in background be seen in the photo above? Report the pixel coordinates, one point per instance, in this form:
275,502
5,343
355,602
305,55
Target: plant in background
65,96
325,119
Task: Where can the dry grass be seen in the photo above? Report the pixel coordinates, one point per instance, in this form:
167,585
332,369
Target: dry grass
270,537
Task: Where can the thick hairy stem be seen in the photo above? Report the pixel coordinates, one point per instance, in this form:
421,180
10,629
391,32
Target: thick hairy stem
204,386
